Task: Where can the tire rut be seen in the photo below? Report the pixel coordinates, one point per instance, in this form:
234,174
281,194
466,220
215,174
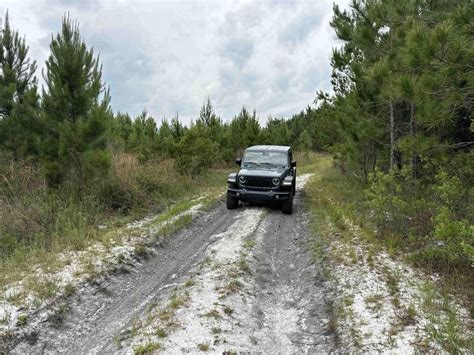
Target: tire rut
101,311
290,308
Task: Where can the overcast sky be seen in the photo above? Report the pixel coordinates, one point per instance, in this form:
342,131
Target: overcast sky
169,56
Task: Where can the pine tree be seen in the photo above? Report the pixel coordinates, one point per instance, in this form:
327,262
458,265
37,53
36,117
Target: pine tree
212,123
245,130
143,138
120,130
197,152
18,95
166,139
304,142
403,80
76,111
207,115
277,131
177,128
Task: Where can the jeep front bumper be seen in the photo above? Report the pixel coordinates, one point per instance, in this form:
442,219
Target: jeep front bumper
258,195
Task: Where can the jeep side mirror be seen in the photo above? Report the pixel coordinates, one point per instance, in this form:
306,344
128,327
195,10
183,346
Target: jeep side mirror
293,163
238,161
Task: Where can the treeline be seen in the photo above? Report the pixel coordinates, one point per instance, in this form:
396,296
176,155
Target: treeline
403,102
209,139
70,131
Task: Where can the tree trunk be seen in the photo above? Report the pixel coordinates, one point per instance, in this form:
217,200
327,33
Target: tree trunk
392,136
414,160
366,159
374,157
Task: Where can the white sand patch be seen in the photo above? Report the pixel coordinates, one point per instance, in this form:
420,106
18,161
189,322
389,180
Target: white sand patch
279,323
380,302
80,266
229,243
196,326
301,180
203,319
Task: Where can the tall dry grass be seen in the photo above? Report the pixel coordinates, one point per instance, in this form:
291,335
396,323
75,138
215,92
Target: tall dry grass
38,223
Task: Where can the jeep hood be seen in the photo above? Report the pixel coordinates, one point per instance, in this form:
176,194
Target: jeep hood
263,172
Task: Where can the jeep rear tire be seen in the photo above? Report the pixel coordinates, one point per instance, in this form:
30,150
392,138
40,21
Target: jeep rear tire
287,205
232,202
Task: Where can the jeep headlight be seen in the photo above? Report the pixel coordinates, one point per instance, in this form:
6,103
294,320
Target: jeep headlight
276,181
288,181
231,179
242,179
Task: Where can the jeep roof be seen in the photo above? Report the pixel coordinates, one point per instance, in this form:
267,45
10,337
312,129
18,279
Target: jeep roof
273,148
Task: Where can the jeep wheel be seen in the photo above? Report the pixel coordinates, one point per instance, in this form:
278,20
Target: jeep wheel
232,202
287,205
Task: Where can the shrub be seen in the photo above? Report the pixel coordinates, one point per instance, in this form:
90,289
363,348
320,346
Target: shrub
396,203
197,151
113,195
431,211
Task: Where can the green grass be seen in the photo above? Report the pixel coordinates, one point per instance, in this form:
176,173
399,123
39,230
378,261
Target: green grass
213,313
175,210
249,244
147,348
244,265
161,318
176,301
228,310
309,162
189,283
141,250
69,290
161,332
22,320
171,227
444,326
216,330
375,301
230,287
204,346
408,317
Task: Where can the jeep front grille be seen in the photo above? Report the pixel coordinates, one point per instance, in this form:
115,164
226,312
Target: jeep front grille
258,182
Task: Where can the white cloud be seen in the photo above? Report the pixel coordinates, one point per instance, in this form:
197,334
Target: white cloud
169,56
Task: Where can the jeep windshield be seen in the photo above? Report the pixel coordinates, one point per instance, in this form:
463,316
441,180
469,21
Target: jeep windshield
264,159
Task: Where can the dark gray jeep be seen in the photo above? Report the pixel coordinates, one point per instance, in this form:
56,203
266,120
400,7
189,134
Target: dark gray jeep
267,174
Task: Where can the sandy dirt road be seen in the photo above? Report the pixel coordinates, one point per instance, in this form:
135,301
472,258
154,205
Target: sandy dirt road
254,288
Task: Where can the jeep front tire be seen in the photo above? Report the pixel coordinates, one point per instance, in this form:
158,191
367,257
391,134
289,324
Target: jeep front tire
232,202
287,205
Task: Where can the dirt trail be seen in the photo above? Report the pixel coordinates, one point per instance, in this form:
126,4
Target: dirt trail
251,270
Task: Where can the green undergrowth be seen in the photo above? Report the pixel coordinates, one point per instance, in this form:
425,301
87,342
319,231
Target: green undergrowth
339,197
335,201
308,162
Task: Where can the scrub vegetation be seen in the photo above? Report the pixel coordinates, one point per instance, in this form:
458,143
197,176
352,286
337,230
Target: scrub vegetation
384,295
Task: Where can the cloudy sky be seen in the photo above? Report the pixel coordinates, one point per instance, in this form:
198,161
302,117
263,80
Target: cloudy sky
169,56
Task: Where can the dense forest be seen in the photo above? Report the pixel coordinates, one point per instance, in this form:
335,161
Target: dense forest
399,120
403,101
